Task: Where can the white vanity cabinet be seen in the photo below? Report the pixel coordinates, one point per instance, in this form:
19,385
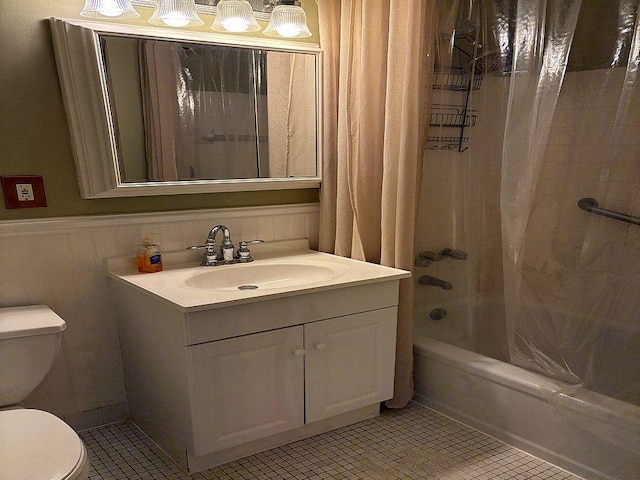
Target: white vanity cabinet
251,387
211,383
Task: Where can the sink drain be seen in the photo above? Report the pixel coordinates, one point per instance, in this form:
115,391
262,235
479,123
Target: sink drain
248,287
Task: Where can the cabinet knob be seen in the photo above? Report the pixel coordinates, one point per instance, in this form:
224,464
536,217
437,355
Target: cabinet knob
299,352
320,346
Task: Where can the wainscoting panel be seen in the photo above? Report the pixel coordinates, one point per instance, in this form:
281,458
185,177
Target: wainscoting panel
60,263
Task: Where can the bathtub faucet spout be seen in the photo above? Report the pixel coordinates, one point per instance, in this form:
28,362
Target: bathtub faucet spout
434,282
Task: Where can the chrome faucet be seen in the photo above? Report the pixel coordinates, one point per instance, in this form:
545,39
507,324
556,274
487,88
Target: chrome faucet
211,257
434,282
226,254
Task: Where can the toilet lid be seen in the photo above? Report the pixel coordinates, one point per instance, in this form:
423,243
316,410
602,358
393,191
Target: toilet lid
27,321
37,445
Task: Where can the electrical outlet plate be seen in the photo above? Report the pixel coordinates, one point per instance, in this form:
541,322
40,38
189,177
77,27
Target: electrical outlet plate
25,191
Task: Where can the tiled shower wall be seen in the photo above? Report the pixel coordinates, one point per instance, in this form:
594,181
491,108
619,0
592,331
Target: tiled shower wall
60,263
588,155
460,209
584,268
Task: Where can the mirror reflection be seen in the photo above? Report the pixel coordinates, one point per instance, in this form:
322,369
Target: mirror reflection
186,111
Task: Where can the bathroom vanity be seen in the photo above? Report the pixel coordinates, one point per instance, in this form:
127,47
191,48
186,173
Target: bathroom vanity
223,362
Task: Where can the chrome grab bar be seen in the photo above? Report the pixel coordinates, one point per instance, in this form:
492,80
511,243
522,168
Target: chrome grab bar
590,205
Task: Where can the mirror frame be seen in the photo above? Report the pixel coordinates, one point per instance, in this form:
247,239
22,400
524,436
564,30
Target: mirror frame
84,90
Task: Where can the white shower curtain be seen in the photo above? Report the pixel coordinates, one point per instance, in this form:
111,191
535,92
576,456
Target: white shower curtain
199,109
543,37
376,69
566,332
571,291
558,111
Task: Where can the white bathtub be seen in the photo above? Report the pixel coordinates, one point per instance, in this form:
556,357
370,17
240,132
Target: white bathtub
520,408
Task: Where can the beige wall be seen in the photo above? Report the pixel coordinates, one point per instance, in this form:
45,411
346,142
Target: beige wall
33,126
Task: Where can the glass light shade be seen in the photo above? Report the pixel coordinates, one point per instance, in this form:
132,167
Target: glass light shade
108,9
235,16
288,21
176,13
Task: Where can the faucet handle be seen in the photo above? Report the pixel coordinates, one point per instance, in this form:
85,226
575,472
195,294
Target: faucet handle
424,257
457,254
429,256
244,255
210,257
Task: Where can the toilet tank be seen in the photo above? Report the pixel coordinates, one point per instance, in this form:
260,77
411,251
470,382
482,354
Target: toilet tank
29,341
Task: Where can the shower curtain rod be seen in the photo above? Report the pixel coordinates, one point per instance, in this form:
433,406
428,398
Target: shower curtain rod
590,205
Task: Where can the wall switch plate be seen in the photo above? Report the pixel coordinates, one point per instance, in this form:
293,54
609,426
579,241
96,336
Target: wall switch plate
25,191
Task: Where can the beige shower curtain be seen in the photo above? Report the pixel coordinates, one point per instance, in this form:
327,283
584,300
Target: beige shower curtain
292,118
377,65
158,66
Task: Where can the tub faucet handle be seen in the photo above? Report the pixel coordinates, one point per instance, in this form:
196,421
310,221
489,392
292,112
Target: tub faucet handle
457,254
425,257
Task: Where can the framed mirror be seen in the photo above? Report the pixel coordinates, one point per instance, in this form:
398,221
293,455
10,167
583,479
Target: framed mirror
157,112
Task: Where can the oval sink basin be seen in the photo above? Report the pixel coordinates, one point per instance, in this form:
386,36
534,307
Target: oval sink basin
252,277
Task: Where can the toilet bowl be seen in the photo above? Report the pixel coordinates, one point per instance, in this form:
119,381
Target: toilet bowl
38,445
33,444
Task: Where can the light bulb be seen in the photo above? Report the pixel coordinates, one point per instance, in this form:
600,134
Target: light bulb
235,25
176,13
288,20
235,16
176,19
288,30
110,8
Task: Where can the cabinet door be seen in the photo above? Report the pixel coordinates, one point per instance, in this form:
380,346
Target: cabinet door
246,388
349,362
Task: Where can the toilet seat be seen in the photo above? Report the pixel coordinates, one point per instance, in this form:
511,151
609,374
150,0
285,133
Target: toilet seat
38,445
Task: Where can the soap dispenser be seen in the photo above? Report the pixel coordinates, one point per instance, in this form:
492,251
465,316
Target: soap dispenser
148,257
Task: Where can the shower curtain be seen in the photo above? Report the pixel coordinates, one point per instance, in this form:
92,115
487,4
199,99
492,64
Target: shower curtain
571,303
158,62
555,87
375,64
292,116
199,107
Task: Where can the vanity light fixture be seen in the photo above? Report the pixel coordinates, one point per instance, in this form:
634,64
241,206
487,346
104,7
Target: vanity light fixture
289,20
235,16
176,13
108,8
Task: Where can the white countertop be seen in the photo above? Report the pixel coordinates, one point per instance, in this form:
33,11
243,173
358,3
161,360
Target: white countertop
170,285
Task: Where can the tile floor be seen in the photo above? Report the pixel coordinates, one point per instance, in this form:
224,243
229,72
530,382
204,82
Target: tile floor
412,443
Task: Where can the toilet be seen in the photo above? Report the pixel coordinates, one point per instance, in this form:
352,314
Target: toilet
33,444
